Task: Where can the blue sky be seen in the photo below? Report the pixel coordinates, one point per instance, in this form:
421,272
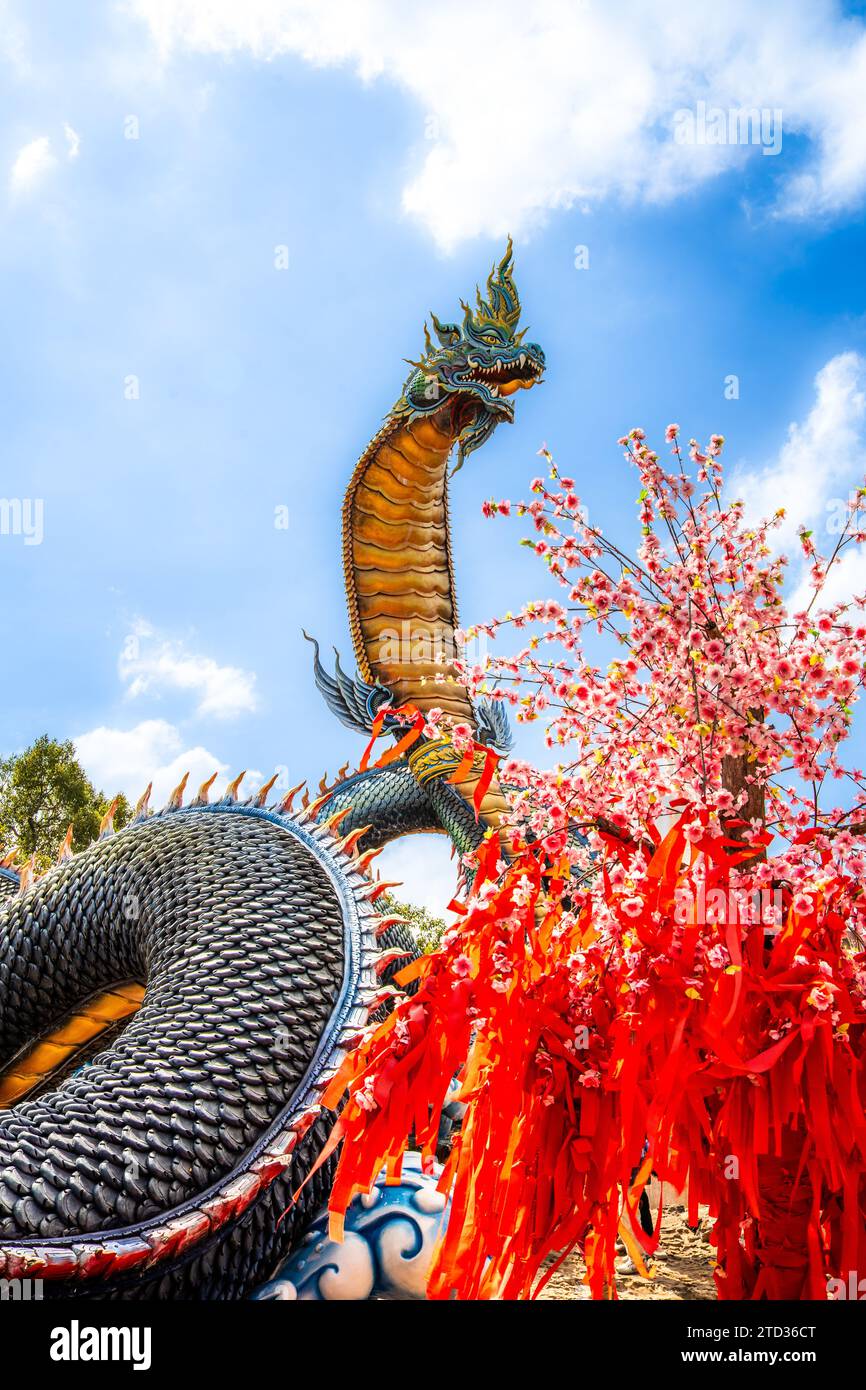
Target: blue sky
164,386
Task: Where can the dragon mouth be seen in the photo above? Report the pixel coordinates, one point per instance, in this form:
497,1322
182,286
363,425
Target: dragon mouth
503,378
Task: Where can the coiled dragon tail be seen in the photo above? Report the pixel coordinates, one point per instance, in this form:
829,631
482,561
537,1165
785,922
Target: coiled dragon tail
160,1168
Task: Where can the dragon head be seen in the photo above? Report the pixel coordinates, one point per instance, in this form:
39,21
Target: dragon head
479,364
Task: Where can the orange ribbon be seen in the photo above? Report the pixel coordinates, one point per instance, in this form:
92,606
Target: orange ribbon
491,758
411,736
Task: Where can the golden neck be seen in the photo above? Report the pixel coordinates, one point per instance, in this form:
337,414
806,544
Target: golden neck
397,561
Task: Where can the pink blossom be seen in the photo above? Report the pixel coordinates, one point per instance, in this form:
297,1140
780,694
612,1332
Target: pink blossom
462,736
522,892
821,996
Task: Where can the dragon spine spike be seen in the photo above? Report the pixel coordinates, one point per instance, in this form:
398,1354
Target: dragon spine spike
323,785
201,796
386,958
283,1145
348,842
261,795
375,890
64,854
332,822
175,801
305,1120
392,920
27,876
285,806
270,1161
231,791
9,859
325,1077
143,802
305,799
312,808
106,825
381,996
363,862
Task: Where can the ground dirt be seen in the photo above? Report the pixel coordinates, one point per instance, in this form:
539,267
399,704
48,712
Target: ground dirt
681,1268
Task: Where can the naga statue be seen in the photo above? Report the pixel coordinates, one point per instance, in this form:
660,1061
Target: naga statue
175,997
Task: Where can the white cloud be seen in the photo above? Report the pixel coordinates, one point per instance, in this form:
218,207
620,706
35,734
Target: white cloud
73,141
14,42
152,664
818,466
424,867
846,578
31,165
524,108
125,760
154,751
820,456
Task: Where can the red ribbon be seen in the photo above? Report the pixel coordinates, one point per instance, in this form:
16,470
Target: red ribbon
491,758
410,737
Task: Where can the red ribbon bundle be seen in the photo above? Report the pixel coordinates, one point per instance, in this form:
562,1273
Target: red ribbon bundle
584,1033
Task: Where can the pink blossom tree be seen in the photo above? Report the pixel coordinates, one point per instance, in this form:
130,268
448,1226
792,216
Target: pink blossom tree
679,980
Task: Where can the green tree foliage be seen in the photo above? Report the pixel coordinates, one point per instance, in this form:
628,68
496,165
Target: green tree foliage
43,791
426,929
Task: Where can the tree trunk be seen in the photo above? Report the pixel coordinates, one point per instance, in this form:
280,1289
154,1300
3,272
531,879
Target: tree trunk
735,770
